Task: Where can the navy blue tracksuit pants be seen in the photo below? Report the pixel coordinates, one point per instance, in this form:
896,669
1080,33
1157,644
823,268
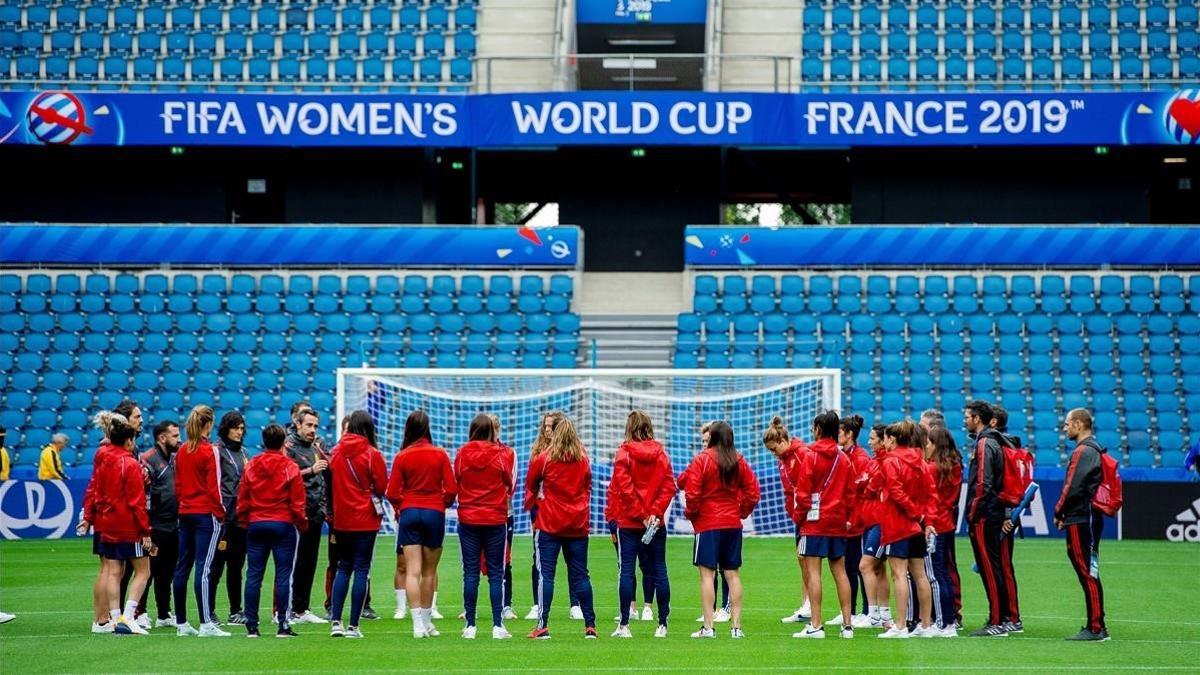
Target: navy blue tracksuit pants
653,557
937,568
574,552
279,540
198,536
491,540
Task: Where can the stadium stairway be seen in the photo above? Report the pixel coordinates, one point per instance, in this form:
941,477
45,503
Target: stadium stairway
628,319
517,27
759,27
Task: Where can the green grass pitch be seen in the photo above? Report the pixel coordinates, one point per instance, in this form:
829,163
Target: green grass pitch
1152,591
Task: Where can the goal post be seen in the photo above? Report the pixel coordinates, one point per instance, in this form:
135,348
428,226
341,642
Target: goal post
598,401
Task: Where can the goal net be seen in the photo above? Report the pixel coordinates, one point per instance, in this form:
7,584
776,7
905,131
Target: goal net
598,401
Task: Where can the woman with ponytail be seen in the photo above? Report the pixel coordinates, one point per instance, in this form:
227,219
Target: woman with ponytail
848,432
720,490
874,576
201,512
789,452
550,422
945,466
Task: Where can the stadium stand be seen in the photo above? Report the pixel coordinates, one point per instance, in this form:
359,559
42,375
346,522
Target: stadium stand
72,342
242,45
1125,345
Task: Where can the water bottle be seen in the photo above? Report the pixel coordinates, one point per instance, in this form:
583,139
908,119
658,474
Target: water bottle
650,531
1094,567
930,543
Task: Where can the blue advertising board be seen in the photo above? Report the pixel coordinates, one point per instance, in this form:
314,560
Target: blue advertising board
926,245
641,11
601,118
268,245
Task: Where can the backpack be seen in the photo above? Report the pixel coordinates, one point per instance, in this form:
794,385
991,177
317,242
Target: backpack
1018,474
1109,496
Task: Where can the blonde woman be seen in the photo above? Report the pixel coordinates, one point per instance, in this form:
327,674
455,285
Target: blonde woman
550,422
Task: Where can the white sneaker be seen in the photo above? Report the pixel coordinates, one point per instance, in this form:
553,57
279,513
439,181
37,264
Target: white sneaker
534,614
647,613
878,621
705,633
133,627
168,622
400,613
798,616
5,617
806,608
622,632
353,633
846,633
736,633
508,615
144,622
811,631
501,633
634,615
721,616
835,621
307,617
661,631
469,633
435,614
897,632
185,630
576,612
336,630
431,630
106,627
861,621
949,631
924,631
211,630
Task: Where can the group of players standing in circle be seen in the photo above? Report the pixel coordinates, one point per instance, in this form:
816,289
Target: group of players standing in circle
882,519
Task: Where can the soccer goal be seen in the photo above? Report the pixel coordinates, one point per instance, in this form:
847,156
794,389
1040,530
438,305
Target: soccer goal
598,402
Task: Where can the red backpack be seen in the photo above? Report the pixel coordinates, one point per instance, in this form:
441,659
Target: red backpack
1018,474
1109,496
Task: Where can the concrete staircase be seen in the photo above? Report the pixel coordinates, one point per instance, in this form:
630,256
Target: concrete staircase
628,319
758,27
509,28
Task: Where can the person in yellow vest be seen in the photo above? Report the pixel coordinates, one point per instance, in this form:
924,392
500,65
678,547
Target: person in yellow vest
5,462
50,466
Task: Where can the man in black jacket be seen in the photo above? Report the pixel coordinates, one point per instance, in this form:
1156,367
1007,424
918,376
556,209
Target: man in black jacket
164,517
1075,515
986,514
307,449
230,556
1013,623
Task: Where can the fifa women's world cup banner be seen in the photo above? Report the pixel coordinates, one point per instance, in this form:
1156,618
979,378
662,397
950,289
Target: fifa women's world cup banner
1167,117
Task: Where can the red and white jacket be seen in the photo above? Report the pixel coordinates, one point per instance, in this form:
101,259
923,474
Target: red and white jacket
357,474
198,481
904,487
870,485
91,493
644,484
789,460
422,478
118,504
942,512
484,471
712,504
561,492
271,490
861,461
826,470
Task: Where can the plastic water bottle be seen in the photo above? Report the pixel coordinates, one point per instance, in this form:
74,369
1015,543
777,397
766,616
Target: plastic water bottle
1094,566
650,531
930,543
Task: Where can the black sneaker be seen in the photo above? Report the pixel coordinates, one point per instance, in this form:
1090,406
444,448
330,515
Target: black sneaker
1085,635
252,631
237,618
1014,626
990,631
286,632
369,614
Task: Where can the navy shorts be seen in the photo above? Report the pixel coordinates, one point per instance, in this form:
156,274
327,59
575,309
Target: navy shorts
718,549
96,543
125,550
796,535
913,547
420,527
821,547
871,545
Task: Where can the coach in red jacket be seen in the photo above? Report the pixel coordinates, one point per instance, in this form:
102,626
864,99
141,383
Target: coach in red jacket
484,469
270,507
644,486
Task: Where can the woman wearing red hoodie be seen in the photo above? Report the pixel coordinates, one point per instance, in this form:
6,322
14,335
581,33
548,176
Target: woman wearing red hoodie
484,472
118,511
645,485
879,612
270,508
720,491
201,512
420,488
789,451
822,480
945,466
357,475
848,432
905,488
559,487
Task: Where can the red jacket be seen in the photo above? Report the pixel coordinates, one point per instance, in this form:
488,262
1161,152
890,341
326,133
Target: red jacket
826,470
788,462
118,505
644,484
484,472
904,489
942,513
870,488
562,494
271,491
713,504
422,478
860,460
91,493
357,473
198,481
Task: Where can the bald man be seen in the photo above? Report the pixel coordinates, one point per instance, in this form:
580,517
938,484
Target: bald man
1075,515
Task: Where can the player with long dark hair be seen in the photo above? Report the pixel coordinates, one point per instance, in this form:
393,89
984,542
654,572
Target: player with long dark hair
945,464
879,612
849,429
